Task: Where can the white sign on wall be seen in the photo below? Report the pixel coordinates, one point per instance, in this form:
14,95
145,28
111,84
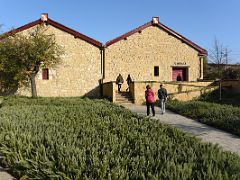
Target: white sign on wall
180,63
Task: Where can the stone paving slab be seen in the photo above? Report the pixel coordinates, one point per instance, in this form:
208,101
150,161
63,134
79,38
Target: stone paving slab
225,140
4,175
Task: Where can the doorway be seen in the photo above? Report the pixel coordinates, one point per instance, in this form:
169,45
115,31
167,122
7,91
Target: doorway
180,74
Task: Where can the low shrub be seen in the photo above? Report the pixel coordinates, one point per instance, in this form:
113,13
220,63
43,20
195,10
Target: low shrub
226,97
74,138
225,117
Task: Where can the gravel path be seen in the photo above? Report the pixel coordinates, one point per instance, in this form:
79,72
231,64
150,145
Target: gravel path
227,141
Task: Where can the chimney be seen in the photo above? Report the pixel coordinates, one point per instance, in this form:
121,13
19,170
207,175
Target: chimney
155,20
44,17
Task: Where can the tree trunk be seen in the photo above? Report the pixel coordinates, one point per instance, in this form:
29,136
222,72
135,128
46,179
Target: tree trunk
33,85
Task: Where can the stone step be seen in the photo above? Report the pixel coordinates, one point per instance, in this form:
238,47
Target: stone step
122,97
125,104
124,100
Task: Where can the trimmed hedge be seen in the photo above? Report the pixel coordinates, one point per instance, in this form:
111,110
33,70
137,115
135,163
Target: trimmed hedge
225,117
74,138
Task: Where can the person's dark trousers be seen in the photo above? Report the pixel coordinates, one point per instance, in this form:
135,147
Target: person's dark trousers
119,87
152,107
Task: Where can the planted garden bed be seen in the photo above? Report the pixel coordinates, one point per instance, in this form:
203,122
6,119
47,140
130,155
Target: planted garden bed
225,117
74,138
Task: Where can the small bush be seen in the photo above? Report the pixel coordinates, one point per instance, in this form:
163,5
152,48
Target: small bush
225,117
226,97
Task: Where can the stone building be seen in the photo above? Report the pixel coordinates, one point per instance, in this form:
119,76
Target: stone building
151,52
79,72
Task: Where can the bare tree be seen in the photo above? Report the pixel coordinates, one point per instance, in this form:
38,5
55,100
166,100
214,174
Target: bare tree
219,56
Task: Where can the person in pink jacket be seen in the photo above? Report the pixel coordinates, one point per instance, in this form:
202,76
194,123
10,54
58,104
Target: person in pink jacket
150,100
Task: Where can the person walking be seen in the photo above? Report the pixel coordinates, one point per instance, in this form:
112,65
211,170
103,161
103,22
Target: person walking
162,95
129,81
119,82
179,77
150,100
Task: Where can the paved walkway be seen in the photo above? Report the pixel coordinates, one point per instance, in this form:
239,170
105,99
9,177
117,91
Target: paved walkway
4,175
227,141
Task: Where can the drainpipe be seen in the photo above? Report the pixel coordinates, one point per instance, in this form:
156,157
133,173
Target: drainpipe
102,68
101,80
201,58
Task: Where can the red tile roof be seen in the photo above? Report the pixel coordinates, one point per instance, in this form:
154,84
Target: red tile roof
59,26
202,52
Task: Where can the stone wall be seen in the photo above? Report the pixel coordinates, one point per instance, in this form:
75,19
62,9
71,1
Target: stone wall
139,53
79,72
182,91
109,90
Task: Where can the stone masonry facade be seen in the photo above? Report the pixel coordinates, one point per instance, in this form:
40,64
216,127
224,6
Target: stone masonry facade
78,73
139,53
87,63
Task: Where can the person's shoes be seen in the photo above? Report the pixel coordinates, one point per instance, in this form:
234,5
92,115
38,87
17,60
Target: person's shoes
162,112
153,114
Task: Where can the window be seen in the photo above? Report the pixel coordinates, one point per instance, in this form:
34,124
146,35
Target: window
156,70
45,74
